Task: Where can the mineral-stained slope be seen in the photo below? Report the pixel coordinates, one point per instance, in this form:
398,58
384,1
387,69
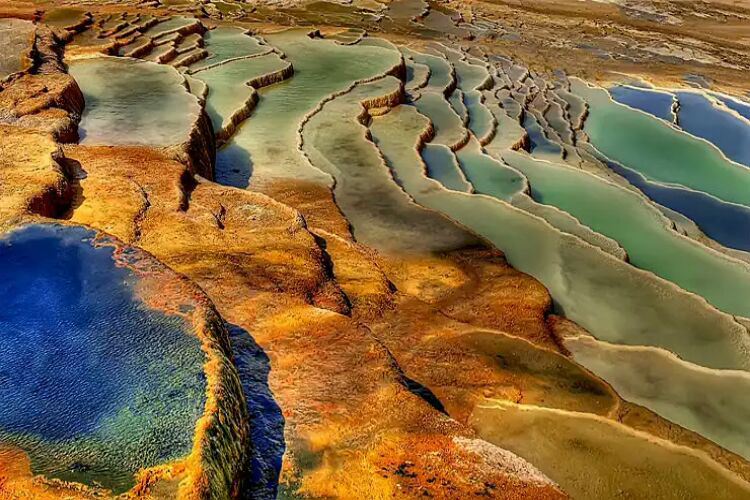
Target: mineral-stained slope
343,211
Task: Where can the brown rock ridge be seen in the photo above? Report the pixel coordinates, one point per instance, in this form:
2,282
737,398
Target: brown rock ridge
330,376
44,97
37,108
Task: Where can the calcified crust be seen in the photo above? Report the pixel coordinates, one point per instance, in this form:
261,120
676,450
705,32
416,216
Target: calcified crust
229,126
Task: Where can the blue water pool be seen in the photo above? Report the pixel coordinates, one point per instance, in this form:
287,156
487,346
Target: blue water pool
653,102
699,116
94,385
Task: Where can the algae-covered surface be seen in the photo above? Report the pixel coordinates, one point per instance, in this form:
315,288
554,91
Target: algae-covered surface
95,384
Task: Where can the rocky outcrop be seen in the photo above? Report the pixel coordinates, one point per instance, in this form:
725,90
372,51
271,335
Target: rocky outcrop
198,152
45,98
32,178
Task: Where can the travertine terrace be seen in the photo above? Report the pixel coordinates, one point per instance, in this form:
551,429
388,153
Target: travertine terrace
413,249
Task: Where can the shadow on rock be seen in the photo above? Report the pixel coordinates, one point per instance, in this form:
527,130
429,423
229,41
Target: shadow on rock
266,420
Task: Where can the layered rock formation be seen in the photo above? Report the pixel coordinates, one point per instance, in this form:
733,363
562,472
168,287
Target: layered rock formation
369,368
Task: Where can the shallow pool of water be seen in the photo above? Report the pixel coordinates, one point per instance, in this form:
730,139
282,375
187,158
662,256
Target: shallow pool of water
725,223
442,166
740,106
701,400
440,71
266,145
642,231
650,101
448,126
94,384
480,118
228,85
659,151
224,43
701,117
379,211
129,101
618,461
609,297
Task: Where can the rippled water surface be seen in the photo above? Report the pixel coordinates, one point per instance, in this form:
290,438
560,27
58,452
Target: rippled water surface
94,385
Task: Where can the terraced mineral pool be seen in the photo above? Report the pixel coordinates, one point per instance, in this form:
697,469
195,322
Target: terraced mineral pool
441,76
546,378
138,43
470,76
509,131
696,398
347,36
555,117
161,53
654,102
539,144
482,170
225,43
641,229
481,121
449,128
699,116
64,17
229,91
192,41
380,213
737,105
726,223
618,462
265,146
576,107
129,101
490,175
95,385
659,151
672,395
417,75
187,57
608,297
170,25
442,166
456,101
16,40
